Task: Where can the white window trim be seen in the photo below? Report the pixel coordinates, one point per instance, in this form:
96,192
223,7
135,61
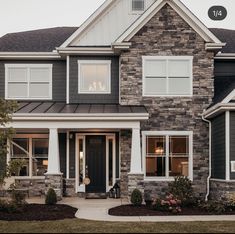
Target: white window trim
145,58
27,66
30,137
106,62
167,133
134,12
232,166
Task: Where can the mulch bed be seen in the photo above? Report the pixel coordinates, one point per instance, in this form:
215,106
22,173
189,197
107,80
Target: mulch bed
129,210
38,212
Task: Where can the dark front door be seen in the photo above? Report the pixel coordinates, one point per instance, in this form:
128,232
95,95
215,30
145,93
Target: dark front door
96,164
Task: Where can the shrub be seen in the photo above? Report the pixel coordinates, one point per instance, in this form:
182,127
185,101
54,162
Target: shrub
9,207
217,207
18,198
136,197
182,189
170,204
230,201
51,198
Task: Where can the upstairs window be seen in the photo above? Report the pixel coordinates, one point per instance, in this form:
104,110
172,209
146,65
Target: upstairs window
167,76
137,5
28,81
94,77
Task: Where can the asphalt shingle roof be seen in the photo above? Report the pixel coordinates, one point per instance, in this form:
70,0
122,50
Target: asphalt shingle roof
42,40
46,40
225,35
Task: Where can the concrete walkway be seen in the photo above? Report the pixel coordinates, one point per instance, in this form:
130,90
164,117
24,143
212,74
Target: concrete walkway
97,210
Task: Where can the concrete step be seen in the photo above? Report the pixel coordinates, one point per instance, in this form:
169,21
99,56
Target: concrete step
96,196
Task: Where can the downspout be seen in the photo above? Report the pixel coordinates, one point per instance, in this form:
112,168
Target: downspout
209,176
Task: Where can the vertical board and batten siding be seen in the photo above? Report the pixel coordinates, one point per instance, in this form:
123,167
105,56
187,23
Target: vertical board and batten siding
62,150
58,77
75,97
232,142
111,25
218,147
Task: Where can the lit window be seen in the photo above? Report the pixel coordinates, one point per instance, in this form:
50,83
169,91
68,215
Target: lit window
163,76
137,5
28,81
94,77
167,155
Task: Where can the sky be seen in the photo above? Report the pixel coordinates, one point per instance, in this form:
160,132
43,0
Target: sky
24,15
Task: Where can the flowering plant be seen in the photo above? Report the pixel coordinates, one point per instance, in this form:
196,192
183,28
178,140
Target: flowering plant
170,203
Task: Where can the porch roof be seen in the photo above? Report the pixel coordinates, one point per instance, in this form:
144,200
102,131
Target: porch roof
47,108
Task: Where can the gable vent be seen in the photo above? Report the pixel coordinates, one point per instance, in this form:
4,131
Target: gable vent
137,5
233,166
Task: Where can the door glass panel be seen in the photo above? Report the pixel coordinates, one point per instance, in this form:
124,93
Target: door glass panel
110,162
81,160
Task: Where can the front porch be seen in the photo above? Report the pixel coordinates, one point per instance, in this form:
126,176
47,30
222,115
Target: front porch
77,154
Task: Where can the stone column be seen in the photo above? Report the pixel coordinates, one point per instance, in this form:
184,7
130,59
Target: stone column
53,177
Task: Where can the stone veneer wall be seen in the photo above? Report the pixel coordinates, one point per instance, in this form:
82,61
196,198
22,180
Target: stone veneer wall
55,182
69,188
168,34
36,186
125,157
220,189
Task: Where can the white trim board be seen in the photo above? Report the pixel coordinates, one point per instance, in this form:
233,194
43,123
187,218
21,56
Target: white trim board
229,97
182,10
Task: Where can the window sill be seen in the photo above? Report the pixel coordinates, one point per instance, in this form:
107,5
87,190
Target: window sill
28,177
159,179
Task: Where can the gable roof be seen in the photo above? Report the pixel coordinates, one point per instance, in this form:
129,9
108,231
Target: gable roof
42,40
181,9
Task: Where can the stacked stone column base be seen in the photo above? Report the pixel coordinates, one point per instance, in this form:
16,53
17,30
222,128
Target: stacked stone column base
54,181
135,181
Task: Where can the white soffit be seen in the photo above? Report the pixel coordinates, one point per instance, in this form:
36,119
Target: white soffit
181,9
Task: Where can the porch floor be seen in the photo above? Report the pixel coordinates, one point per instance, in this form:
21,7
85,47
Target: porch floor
97,210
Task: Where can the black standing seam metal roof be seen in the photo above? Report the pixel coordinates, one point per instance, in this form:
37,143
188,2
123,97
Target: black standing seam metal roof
46,40
63,108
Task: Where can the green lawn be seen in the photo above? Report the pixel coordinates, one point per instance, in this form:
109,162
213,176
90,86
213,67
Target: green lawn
83,226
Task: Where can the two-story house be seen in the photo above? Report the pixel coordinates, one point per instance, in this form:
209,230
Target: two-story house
121,98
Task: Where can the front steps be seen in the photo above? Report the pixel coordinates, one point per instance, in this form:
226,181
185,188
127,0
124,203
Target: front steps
96,195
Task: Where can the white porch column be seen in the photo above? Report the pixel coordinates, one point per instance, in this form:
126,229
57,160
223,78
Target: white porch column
136,165
53,154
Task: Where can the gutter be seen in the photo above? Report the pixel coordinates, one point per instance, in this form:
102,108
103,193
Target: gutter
209,176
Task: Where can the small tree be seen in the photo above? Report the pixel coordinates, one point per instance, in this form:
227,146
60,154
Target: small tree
136,197
7,108
51,197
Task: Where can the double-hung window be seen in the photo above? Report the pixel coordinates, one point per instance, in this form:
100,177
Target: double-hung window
94,77
167,76
167,154
28,81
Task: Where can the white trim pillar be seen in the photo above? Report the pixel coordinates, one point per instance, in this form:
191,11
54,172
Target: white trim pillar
53,154
136,164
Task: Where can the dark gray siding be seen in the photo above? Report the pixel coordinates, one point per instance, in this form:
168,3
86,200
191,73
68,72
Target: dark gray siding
58,78
62,148
94,98
72,156
218,147
224,81
232,142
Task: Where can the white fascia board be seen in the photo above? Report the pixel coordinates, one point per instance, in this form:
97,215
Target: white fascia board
225,56
29,55
82,117
214,46
229,97
217,109
181,9
88,22
62,124
85,50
